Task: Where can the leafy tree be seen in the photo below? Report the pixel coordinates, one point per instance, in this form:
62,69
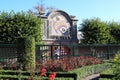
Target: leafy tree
21,24
95,31
115,31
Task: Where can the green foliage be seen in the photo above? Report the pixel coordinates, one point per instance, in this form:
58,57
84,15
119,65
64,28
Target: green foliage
116,70
95,31
105,79
81,72
21,24
88,70
115,32
108,71
19,75
15,74
26,49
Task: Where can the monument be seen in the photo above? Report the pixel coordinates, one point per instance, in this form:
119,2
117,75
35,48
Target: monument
59,28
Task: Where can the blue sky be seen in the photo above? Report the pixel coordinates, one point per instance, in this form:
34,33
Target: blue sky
106,10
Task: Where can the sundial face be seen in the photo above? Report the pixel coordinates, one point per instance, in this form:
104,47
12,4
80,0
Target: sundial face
59,26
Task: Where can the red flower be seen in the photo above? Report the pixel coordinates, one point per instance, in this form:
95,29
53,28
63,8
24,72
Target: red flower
43,72
52,76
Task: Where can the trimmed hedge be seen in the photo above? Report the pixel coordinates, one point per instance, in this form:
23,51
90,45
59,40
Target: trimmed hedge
88,70
15,74
107,74
26,52
20,24
77,74
114,72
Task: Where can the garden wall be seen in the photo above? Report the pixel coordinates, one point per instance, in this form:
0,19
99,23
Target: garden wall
8,52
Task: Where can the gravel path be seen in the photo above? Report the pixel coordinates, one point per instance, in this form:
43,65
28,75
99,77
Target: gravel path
92,77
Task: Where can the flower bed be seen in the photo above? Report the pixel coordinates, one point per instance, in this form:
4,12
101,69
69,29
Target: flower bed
70,75
69,63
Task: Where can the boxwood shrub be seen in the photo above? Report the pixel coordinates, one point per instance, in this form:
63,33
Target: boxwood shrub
88,70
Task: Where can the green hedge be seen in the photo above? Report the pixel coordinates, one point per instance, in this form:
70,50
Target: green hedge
114,72
107,74
15,74
81,72
88,70
108,71
14,25
26,52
